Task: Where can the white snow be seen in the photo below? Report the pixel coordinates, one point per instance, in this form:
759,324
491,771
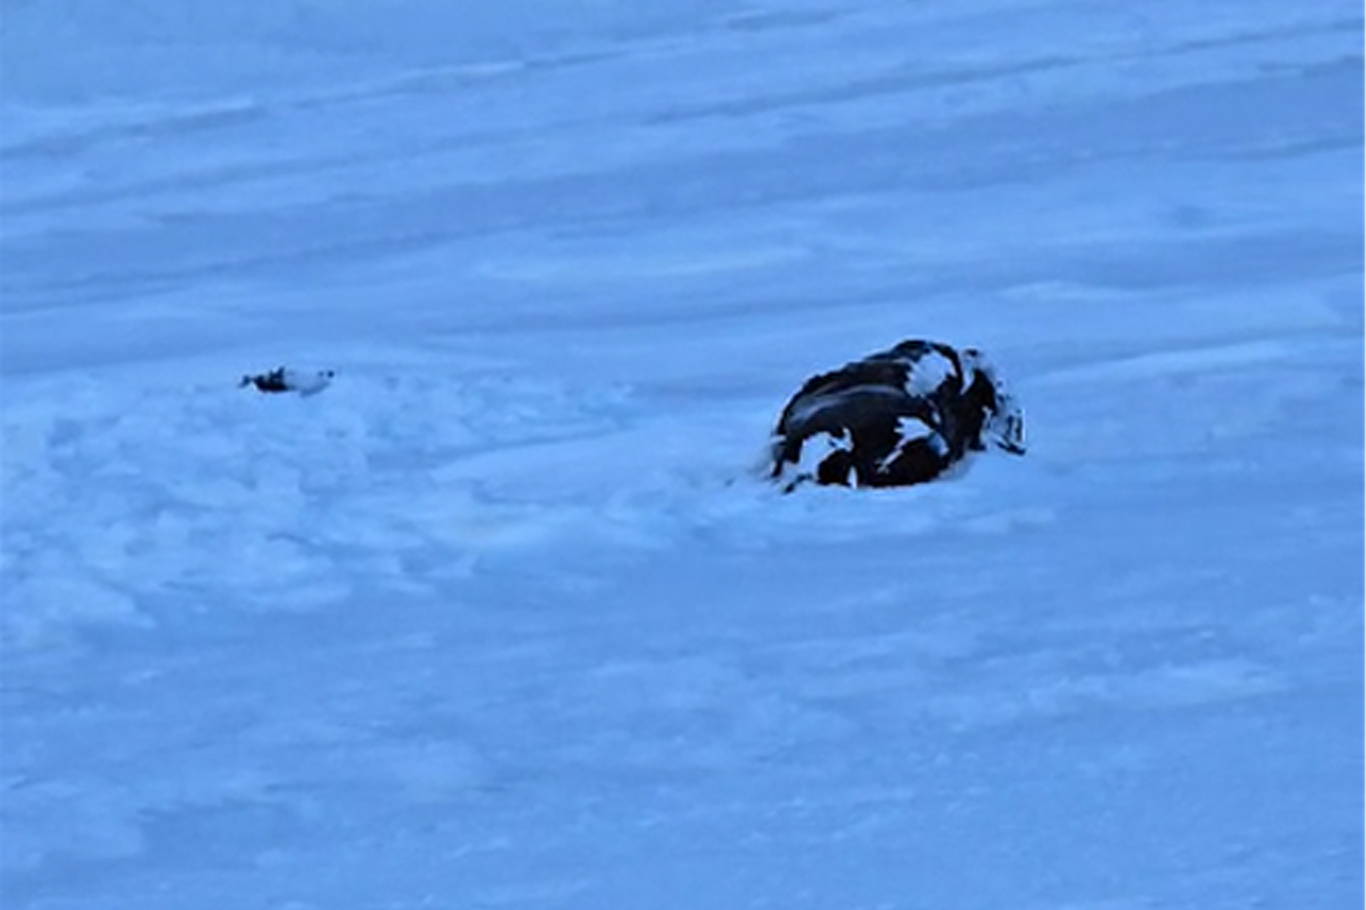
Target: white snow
815,449
506,618
908,430
929,372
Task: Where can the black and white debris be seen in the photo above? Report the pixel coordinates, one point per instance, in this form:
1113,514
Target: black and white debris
283,379
895,418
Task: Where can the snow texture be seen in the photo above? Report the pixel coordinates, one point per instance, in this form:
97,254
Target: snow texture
508,619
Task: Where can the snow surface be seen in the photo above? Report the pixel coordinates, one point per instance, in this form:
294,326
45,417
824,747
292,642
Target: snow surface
505,617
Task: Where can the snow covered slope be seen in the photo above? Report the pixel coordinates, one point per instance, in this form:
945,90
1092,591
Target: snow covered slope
506,616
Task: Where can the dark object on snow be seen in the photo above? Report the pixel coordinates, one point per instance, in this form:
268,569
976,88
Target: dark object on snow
286,380
895,418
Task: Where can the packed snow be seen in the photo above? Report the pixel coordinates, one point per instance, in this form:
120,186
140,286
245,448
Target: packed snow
507,614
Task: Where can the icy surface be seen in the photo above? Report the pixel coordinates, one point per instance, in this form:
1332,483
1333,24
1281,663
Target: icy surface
508,618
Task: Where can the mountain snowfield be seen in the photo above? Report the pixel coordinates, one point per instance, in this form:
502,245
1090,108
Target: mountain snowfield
509,617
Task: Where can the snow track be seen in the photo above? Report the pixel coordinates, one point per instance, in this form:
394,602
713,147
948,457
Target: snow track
507,617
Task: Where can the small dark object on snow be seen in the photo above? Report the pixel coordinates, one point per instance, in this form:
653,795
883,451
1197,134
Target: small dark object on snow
282,379
895,418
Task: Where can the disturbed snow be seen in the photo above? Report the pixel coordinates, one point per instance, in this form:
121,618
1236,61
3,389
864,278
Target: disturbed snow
507,617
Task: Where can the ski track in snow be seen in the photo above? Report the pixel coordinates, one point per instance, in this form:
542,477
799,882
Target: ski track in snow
507,617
